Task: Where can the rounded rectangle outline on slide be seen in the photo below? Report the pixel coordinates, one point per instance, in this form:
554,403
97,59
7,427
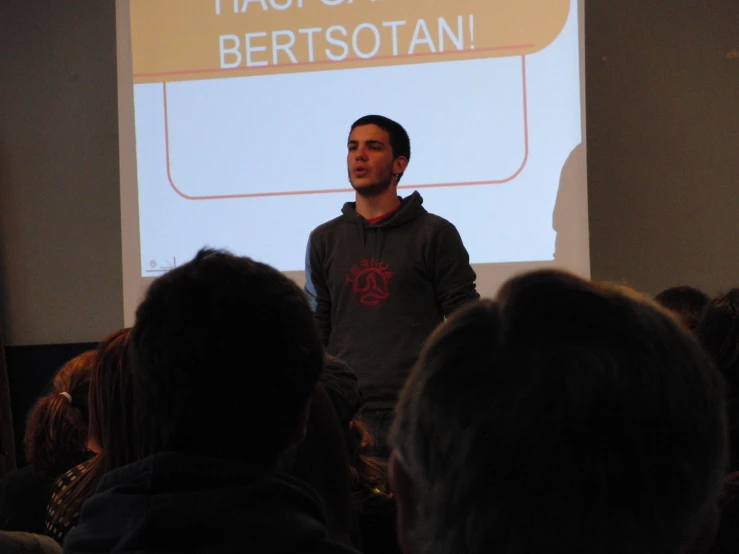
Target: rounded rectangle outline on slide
327,35
344,190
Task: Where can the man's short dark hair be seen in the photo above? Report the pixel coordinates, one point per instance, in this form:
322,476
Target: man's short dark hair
400,142
686,302
224,357
565,416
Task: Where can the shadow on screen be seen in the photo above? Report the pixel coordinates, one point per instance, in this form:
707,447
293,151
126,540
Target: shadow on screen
568,221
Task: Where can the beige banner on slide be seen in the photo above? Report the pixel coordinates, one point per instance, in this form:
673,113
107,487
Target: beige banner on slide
182,40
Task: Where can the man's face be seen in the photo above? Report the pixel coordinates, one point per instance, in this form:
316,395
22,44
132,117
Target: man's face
370,160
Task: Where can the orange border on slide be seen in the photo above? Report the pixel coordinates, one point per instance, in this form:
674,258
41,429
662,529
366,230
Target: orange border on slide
327,191
347,61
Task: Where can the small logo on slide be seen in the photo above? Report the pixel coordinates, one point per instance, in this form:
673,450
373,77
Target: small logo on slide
370,281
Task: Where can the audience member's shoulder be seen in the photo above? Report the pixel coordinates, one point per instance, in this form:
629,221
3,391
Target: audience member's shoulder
23,496
23,477
320,547
341,385
27,543
329,547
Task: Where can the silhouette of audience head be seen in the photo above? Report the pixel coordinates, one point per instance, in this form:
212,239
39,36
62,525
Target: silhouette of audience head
685,302
719,332
321,460
342,386
56,430
368,472
111,415
565,415
223,343
110,432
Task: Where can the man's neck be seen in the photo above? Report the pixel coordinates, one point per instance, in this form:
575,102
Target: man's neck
376,206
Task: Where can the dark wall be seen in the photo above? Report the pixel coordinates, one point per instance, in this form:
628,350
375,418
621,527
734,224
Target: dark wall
30,371
60,238
663,142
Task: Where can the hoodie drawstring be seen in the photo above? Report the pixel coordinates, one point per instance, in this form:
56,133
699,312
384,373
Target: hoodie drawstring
380,239
380,242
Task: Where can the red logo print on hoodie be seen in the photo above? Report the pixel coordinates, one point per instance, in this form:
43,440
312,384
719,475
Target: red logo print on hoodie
370,282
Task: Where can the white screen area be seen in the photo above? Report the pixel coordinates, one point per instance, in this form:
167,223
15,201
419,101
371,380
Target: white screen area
234,117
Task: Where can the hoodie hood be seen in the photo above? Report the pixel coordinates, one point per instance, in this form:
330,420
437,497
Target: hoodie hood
173,502
411,207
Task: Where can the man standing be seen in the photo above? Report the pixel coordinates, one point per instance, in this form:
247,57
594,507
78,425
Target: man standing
386,272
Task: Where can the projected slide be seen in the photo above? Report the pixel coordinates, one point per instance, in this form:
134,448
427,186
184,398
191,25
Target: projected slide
243,107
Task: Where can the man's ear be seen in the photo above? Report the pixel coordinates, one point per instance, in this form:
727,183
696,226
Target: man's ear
405,501
400,164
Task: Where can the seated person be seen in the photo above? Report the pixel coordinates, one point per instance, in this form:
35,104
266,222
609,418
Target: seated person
55,441
334,458
687,303
224,357
564,416
110,435
373,500
718,331
321,460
